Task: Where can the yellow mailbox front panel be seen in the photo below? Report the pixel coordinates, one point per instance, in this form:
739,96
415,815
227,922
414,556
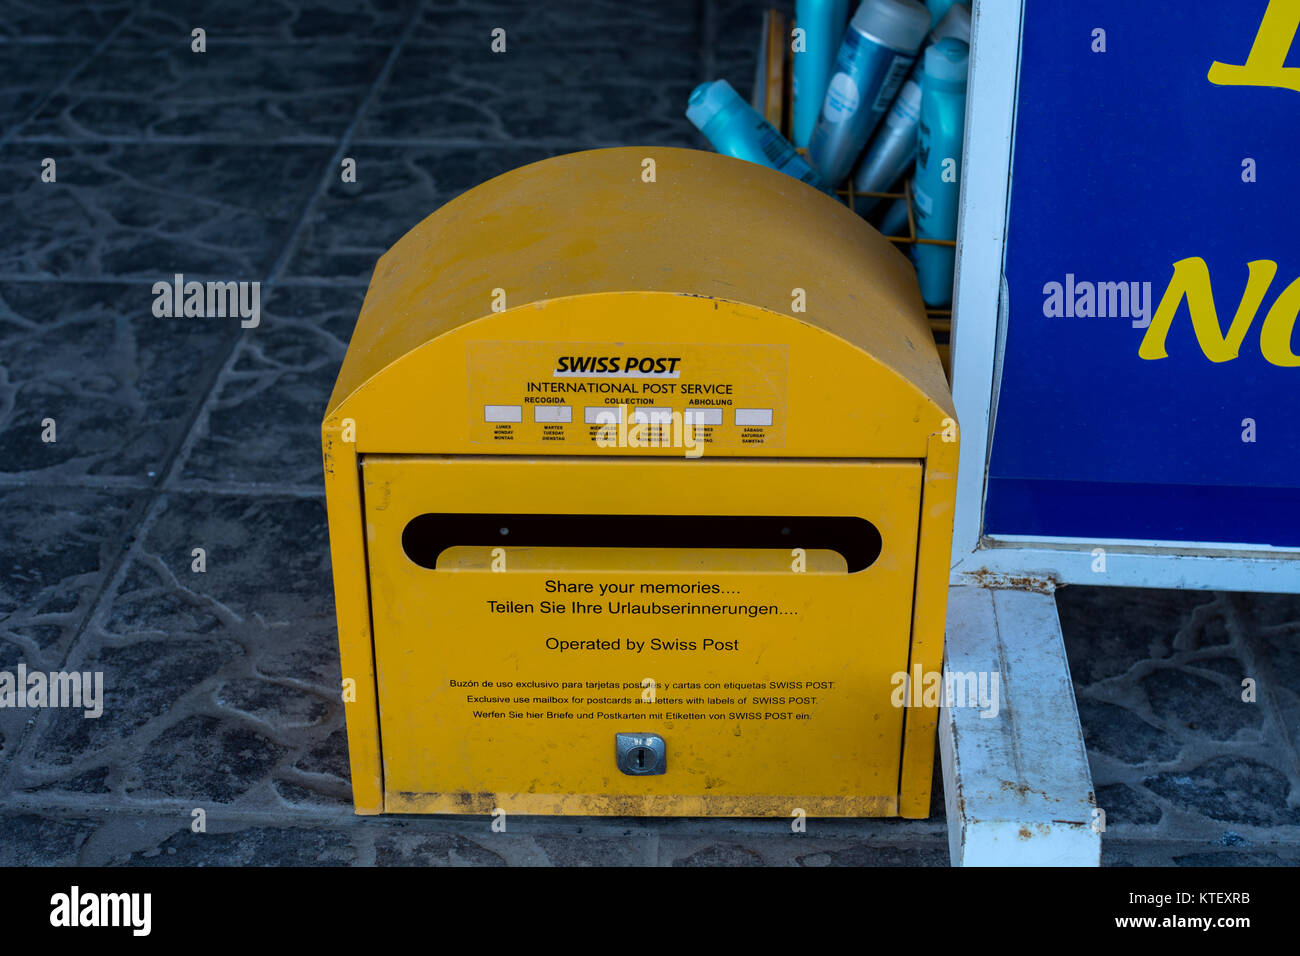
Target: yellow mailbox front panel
505,670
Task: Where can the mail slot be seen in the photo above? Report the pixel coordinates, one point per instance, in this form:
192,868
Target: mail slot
640,473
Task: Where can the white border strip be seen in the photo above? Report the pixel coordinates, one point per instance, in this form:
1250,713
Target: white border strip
981,230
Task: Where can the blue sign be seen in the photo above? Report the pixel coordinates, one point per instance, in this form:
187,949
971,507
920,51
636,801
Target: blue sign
1150,386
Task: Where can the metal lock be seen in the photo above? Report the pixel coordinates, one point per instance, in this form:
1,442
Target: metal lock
640,755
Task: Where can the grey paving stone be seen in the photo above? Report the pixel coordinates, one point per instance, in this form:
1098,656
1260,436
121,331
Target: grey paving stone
262,425
789,849
1231,790
1137,852
206,758
1271,626
1126,805
446,849
305,92
267,580
179,836
39,22
929,853
712,854
1211,631
1230,667
1109,630
594,96
87,785
272,21
219,685
1114,730
1208,858
319,775
30,73
150,211
350,226
527,841
1208,707
252,846
37,839
1271,611
1278,650
566,850
57,546
737,34
269,703
1173,746
120,384
145,683
564,26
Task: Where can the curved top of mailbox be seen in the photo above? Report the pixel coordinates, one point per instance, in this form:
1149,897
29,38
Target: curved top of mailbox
644,221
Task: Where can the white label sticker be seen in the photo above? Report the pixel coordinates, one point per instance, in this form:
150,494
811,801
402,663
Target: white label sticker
552,414
841,99
907,105
652,416
703,416
760,417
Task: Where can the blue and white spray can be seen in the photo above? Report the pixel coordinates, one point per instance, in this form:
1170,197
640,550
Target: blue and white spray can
822,23
734,128
879,49
936,187
893,147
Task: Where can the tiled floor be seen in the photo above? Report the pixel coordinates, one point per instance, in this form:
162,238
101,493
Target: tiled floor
1178,755
174,434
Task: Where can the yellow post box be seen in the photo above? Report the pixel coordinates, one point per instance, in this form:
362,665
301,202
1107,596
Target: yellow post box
640,473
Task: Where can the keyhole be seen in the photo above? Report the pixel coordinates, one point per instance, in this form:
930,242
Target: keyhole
640,754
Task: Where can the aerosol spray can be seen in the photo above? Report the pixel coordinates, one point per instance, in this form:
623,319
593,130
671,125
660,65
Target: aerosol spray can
894,146
822,23
734,128
936,188
879,49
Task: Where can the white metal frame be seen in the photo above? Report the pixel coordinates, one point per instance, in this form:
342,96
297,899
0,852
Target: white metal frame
1016,782
978,333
